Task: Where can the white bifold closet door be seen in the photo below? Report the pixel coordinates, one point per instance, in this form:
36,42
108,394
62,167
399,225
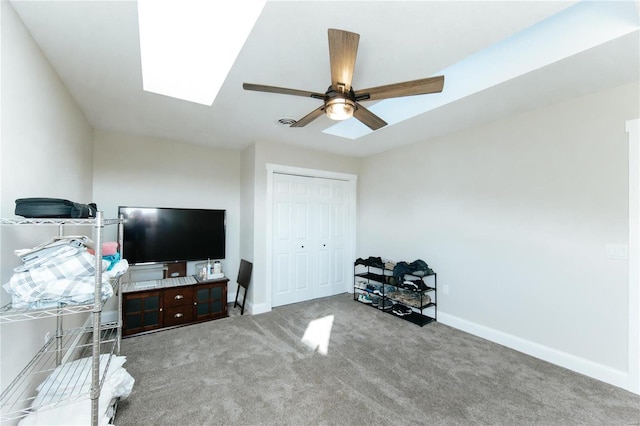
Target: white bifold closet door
309,227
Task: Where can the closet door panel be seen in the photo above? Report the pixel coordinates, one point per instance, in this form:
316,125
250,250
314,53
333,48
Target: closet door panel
283,235
338,231
338,271
292,271
282,284
301,246
301,273
323,243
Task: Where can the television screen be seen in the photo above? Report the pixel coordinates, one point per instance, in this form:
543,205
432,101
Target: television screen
154,235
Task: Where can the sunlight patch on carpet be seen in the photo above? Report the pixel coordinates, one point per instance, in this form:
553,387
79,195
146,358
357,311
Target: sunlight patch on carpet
318,334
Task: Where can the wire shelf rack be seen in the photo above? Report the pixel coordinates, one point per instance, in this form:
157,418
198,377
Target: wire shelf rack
72,381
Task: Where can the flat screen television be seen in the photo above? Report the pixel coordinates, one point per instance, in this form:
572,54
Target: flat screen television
160,234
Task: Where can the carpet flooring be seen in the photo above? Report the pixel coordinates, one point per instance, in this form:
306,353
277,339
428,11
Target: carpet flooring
375,370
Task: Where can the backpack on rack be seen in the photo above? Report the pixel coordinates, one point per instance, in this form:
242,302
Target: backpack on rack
54,208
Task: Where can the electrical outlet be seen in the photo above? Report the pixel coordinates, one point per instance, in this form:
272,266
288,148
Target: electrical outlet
445,289
47,337
617,251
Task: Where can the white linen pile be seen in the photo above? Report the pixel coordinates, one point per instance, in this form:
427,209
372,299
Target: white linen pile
59,271
54,406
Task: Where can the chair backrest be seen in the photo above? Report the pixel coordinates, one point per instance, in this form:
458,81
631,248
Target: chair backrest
244,274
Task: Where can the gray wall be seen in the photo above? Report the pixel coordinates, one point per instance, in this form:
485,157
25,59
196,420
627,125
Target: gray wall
152,172
46,151
514,216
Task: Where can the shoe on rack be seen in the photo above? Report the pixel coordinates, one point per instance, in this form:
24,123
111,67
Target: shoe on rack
426,299
394,294
421,285
410,285
374,288
415,285
364,298
397,309
401,310
385,304
375,300
361,285
384,289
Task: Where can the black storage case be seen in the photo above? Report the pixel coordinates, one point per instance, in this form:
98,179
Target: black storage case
53,208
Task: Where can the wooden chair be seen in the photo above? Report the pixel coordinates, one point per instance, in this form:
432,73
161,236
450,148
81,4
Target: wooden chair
244,278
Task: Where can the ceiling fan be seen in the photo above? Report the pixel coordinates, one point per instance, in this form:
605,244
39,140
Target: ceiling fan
340,101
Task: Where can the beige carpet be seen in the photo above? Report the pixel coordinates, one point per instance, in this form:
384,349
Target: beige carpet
378,370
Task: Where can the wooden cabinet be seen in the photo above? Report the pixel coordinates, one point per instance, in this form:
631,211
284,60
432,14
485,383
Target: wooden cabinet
142,311
210,301
165,306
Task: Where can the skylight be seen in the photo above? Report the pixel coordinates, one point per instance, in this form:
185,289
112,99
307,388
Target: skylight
580,27
187,47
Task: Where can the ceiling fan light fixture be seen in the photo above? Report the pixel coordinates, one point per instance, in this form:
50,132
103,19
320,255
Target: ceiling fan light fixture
340,108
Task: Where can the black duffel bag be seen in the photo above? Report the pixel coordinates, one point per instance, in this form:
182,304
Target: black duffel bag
54,208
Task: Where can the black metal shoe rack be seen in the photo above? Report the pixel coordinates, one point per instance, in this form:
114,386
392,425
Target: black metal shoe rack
422,304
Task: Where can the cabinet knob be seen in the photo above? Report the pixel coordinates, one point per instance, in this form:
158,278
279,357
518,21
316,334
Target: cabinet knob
178,297
160,309
178,315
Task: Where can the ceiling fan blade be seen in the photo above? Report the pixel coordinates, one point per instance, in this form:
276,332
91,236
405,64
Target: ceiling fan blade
343,48
309,117
407,88
368,118
282,90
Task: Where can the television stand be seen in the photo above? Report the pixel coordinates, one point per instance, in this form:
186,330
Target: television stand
149,306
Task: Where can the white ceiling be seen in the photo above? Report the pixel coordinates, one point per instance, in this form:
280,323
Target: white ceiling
94,47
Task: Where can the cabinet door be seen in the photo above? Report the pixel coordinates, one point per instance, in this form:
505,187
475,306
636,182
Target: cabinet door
141,311
210,301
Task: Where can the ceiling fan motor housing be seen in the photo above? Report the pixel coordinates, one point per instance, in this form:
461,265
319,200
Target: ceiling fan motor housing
339,105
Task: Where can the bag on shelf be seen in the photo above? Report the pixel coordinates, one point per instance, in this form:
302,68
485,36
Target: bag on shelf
53,208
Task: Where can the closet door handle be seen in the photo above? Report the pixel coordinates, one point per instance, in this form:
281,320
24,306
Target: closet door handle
178,297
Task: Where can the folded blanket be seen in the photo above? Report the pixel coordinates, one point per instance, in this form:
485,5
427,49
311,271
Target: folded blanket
47,255
76,376
117,269
68,278
54,408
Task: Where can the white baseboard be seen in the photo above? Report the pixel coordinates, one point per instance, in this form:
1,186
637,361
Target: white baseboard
250,308
580,365
260,308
